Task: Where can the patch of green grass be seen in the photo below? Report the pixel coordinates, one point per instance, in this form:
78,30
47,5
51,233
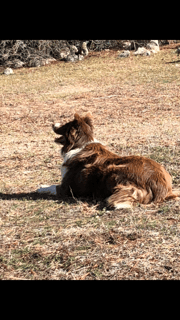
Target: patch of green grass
97,272
164,210
94,220
79,223
163,154
83,248
102,212
111,224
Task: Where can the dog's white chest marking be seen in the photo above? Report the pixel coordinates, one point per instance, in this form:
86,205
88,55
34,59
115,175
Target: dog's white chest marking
70,155
66,157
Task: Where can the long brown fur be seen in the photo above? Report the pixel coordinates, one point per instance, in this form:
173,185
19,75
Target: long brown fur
95,171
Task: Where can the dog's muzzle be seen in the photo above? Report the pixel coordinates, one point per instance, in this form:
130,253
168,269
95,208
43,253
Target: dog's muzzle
60,140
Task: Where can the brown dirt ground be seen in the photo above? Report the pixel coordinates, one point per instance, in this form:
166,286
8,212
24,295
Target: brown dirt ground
136,110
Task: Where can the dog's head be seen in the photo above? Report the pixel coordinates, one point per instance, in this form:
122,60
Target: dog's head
74,134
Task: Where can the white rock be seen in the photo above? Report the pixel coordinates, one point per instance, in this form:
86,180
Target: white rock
155,49
73,49
8,71
84,49
64,52
152,47
16,63
49,60
154,42
124,54
72,58
127,45
80,57
76,57
142,51
69,58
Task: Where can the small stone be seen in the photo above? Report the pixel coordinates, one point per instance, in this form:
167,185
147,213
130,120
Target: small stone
127,45
178,51
64,53
69,58
124,54
80,57
8,71
73,49
17,63
72,58
35,62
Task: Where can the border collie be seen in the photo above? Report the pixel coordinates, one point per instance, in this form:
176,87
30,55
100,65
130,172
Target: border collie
90,169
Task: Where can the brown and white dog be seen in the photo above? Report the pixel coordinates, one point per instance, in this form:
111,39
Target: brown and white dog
90,169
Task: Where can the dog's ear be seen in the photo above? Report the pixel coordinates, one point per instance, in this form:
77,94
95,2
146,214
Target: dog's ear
77,117
88,119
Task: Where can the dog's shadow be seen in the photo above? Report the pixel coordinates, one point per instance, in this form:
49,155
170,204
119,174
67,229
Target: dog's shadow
29,196
168,62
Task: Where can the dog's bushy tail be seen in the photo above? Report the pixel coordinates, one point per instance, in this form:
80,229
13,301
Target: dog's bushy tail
174,194
125,196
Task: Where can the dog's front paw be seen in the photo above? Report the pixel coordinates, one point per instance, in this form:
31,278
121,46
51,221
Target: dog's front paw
47,189
60,192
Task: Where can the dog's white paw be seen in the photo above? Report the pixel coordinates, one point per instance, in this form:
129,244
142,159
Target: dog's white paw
47,189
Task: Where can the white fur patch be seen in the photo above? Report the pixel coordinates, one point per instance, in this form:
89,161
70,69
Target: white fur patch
123,205
70,155
57,125
47,189
66,157
52,189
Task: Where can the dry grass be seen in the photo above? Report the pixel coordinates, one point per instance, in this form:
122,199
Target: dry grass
135,103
